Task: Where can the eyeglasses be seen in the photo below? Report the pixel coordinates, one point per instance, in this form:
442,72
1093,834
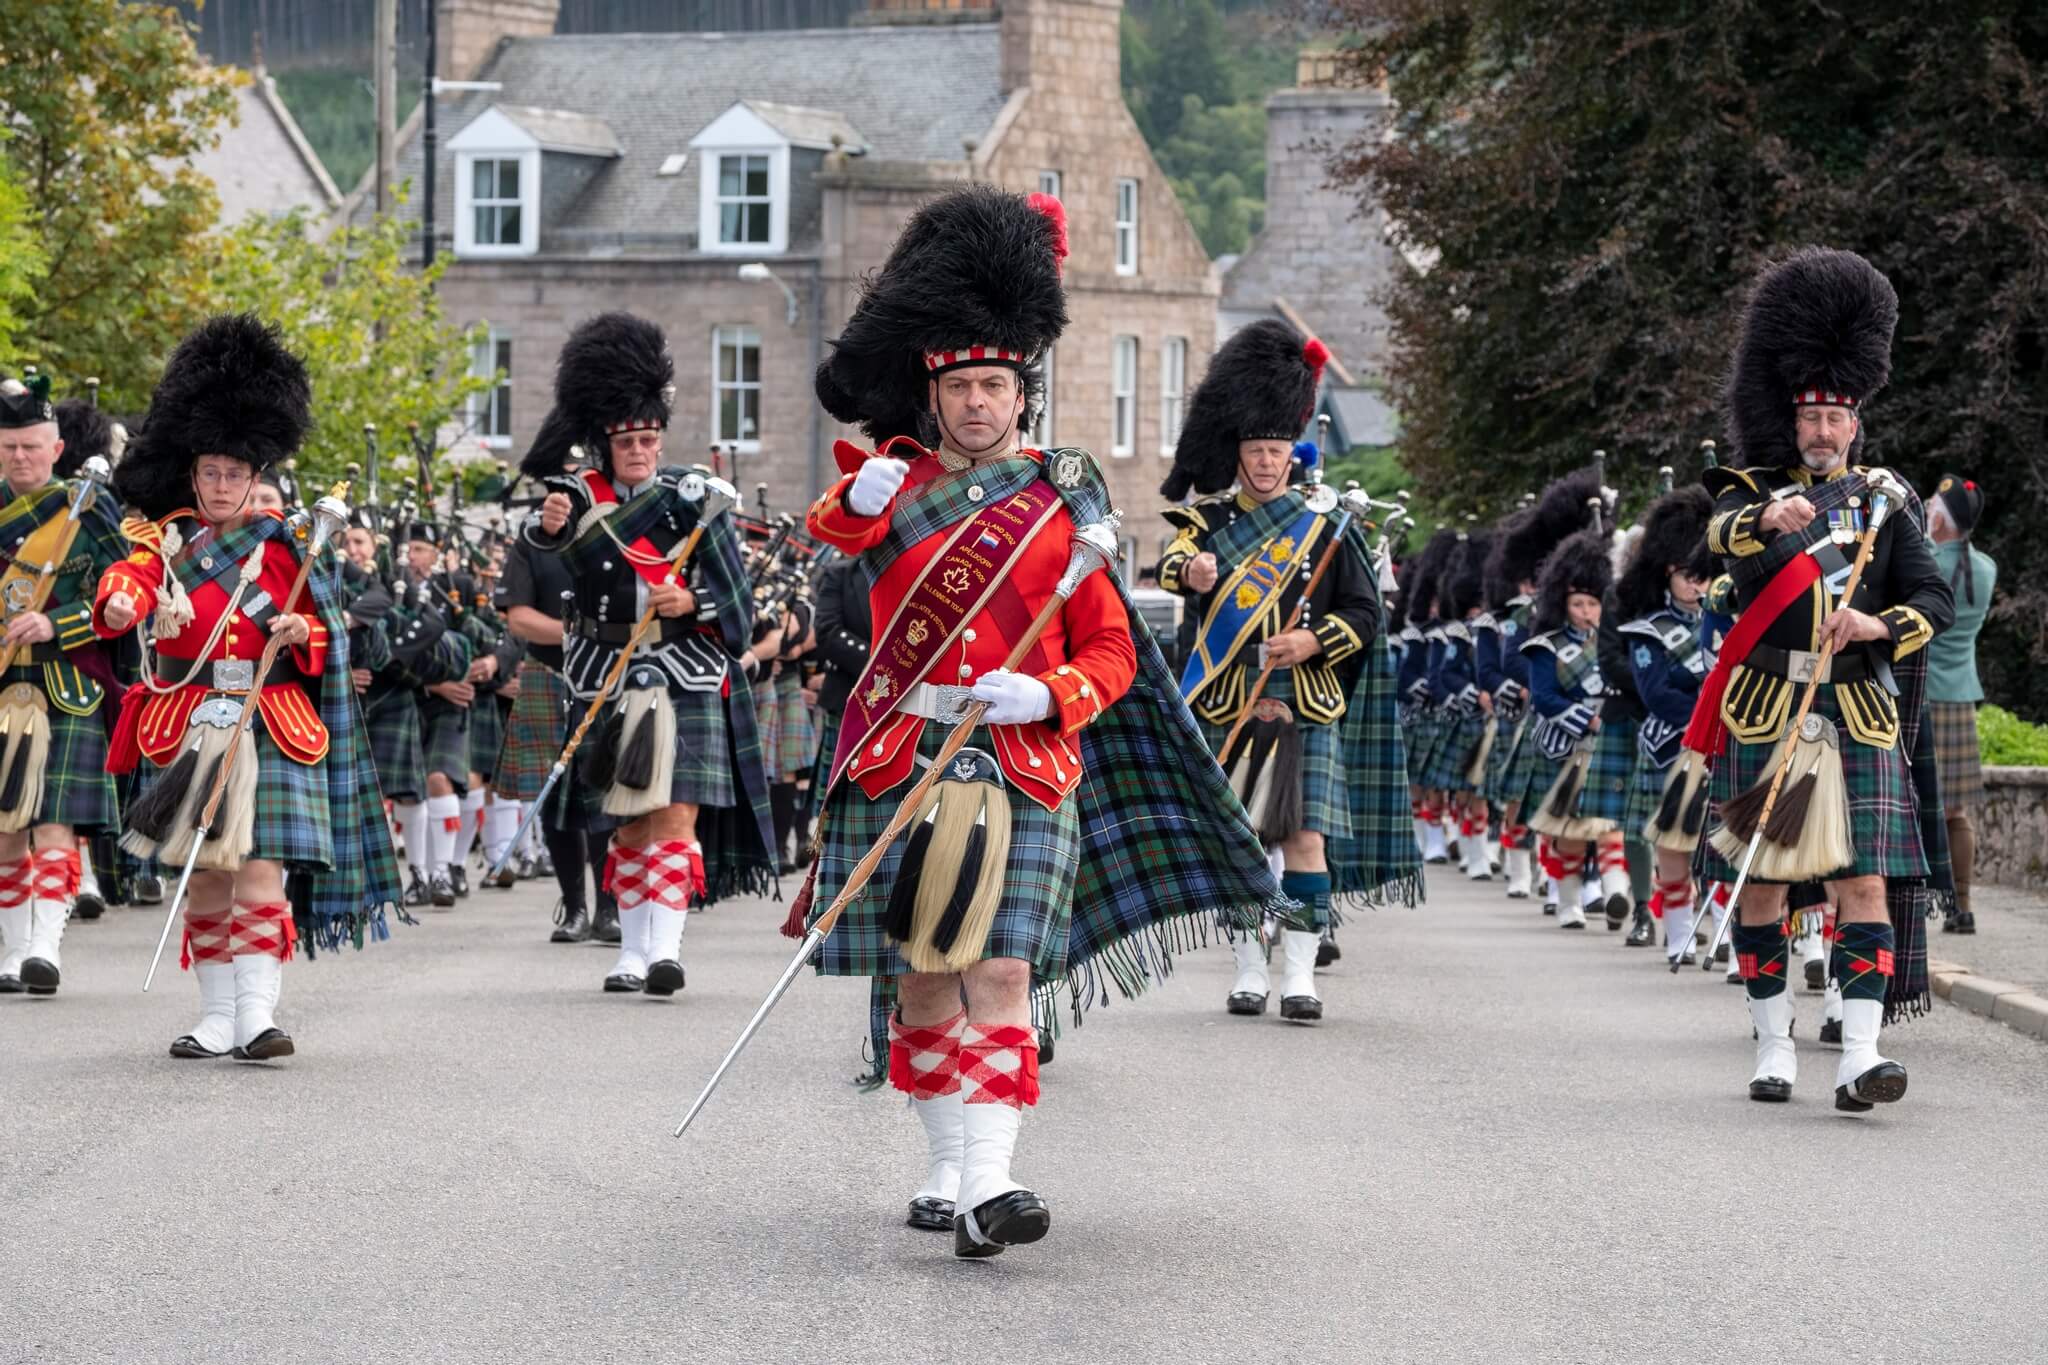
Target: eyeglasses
222,478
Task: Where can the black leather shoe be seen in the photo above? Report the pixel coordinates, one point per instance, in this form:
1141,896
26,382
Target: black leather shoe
1617,912
269,1044
1301,1009
458,877
1884,1083
572,925
543,866
1771,1090
665,977
1831,1032
40,977
604,926
1816,975
186,1046
1327,951
1247,1002
505,880
88,907
1643,932
624,983
10,984
416,890
441,890
1550,907
929,1214
1016,1219
1961,922
148,891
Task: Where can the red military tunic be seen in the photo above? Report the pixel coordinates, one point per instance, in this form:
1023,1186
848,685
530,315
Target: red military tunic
1088,648
153,723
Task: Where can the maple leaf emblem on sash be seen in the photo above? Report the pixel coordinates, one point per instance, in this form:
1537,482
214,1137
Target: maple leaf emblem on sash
956,580
918,633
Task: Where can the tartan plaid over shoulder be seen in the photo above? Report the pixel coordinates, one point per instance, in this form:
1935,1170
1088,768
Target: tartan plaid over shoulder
1166,850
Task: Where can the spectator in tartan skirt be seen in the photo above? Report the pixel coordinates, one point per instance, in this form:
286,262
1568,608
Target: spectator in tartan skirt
675,769
1815,347
54,787
1242,556
1954,691
215,584
1073,822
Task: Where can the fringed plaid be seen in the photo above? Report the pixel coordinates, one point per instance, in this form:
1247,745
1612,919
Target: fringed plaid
1377,863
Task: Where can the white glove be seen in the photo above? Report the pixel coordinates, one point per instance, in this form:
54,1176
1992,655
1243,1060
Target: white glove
1013,698
875,486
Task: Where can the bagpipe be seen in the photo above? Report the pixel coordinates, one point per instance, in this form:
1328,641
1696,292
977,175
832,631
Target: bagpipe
782,564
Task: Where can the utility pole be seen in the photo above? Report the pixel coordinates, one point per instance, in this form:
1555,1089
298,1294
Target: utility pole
429,152
384,78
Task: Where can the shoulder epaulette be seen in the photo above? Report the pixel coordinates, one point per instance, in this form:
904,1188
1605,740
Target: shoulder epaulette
1722,478
142,531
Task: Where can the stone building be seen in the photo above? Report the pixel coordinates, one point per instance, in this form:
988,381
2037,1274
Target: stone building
1321,260
734,187
262,163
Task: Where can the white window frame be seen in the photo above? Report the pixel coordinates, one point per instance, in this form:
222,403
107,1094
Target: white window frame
737,334
466,243
721,200
1041,433
740,131
479,405
1049,183
1126,226
1173,392
1123,396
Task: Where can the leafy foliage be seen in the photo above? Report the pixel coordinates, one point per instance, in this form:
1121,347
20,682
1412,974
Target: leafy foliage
2005,739
1598,180
107,102
368,325
336,108
21,259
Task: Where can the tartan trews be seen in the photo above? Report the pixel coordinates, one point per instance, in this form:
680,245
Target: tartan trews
1038,891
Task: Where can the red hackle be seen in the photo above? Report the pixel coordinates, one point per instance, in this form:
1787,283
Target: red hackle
1055,213
1315,355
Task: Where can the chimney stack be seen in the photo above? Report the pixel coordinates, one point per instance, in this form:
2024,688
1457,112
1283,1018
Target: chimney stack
469,30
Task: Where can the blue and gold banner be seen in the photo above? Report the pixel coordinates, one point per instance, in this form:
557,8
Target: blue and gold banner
1283,532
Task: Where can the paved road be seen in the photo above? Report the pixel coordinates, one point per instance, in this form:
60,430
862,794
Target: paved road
1506,1143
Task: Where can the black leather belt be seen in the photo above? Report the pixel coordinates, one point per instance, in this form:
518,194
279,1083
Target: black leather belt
619,632
1798,664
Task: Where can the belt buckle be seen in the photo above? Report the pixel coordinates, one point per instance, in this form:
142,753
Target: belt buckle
1802,664
234,675
950,702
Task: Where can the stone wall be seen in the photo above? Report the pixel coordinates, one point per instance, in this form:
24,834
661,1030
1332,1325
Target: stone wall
2012,828
466,32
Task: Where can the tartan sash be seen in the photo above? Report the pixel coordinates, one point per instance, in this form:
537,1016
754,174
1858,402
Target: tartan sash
952,590
1267,545
637,523
27,514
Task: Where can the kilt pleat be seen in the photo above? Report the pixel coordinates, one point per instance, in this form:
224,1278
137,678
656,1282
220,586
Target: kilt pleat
534,733
1038,887
1457,736
486,735
293,822
1610,777
393,720
1957,756
1527,775
77,789
1422,731
1884,819
445,741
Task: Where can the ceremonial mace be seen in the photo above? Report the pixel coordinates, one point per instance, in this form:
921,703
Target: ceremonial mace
330,514
1095,547
94,475
1353,503
718,496
1880,507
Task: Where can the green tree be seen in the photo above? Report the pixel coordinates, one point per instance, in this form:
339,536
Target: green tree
107,102
1598,180
21,260
371,329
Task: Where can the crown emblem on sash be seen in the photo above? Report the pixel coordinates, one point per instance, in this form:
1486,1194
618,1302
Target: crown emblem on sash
1283,550
918,632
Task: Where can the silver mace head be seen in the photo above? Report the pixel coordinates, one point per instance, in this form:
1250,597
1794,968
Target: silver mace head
1095,548
97,469
1355,503
330,514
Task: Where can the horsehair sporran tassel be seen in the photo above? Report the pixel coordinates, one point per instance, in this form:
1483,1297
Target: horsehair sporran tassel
979,910
901,919
949,880
645,733
25,728
1681,810
1807,833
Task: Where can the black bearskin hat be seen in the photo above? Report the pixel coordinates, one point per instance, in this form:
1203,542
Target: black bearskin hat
1581,564
1674,529
1501,589
231,388
973,280
614,374
86,431
1560,512
1430,565
1261,385
1461,590
1817,329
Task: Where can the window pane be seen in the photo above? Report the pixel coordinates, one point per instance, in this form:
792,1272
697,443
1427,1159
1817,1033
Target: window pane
508,225
750,414
504,357
730,169
750,364
480,179
729,415
725,360
508,179
729,222
757,176
757,222
486,226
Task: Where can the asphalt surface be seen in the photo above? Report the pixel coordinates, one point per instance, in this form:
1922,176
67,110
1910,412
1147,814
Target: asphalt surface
1504,1143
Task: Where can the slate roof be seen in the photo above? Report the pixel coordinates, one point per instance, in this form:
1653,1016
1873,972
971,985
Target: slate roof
915,93
263,164
560,130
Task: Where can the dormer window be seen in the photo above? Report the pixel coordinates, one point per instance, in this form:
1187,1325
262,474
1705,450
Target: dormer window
499,158
745,204
743,160
494,201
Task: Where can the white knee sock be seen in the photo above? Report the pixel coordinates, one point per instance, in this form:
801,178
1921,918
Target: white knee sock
501,822
444,815
412,827
472,823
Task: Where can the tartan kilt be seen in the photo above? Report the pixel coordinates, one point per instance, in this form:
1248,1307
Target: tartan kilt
292,817
828,740
1504,746
1645,794
1422,733
393,721
1325,807
1611,776
444,739
534,734
1957,756
1456,739
1884,819
1527,776
1038,884
703,773
486,735
77,789
768,723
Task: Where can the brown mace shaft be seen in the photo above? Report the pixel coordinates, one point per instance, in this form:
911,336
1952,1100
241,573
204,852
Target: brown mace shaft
1293,618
